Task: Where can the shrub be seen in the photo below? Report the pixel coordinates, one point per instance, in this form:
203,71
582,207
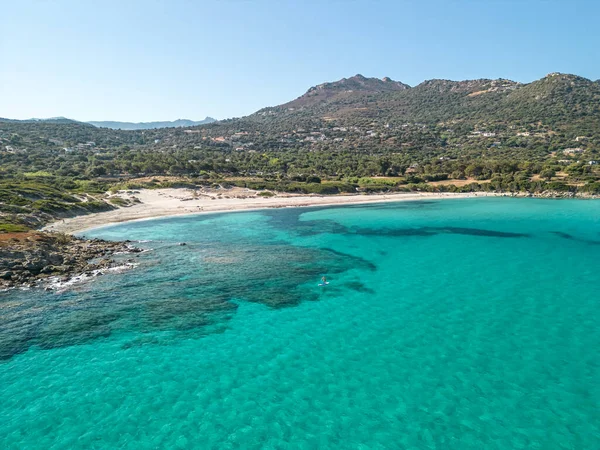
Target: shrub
12,228
118,201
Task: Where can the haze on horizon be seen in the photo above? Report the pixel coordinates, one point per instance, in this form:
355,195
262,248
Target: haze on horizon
140,61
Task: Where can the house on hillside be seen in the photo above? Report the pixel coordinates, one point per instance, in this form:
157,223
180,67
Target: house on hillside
411,169
572,151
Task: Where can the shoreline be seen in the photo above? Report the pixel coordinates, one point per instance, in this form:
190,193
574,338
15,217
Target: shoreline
172,202
54,262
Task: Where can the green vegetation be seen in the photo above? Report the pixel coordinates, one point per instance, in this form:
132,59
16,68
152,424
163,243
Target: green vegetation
493,135
29,204
118,201
12,228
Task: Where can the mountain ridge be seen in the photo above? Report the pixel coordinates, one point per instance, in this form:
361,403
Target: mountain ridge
116,125
557,95
345,87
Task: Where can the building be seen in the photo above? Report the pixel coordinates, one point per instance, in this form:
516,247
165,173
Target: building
571,151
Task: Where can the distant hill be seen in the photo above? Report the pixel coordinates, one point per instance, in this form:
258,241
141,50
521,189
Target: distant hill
117,125
60,120
150,125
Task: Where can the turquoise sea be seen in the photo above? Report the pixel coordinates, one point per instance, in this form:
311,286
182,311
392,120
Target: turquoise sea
450,324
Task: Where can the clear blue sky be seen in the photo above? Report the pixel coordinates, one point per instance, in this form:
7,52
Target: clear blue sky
163,60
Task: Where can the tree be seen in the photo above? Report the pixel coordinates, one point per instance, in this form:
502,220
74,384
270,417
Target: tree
547,174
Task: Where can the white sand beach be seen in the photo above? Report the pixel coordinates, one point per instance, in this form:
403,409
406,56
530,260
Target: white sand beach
154,203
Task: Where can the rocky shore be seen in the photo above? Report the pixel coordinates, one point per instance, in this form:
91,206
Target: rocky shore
554,194
34,258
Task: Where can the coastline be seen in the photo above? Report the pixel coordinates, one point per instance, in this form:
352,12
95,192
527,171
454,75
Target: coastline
51,261
157,203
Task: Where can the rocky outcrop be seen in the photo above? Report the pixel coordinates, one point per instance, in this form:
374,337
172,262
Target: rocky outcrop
27,259
553,194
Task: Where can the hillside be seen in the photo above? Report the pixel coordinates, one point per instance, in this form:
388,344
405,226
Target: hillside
553,99
440,131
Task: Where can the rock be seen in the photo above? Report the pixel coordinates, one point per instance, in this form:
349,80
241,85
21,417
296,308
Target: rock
34,266
55,259
104,263
7,264
27,261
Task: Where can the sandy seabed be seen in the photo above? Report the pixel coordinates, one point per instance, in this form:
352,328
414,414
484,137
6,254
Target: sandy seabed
154,203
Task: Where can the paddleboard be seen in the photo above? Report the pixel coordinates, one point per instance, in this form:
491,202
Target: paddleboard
324,284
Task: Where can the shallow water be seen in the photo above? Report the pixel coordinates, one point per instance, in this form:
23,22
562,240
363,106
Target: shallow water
458,324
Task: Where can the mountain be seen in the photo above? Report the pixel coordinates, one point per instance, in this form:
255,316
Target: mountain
346,88
560,99
373,116
150,125
355,97
59,120
499,130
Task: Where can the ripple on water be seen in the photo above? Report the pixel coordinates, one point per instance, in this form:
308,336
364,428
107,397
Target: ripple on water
460,325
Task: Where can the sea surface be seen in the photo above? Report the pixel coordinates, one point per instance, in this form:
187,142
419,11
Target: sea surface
447,324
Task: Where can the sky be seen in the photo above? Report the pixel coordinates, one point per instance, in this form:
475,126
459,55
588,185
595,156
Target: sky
133,60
